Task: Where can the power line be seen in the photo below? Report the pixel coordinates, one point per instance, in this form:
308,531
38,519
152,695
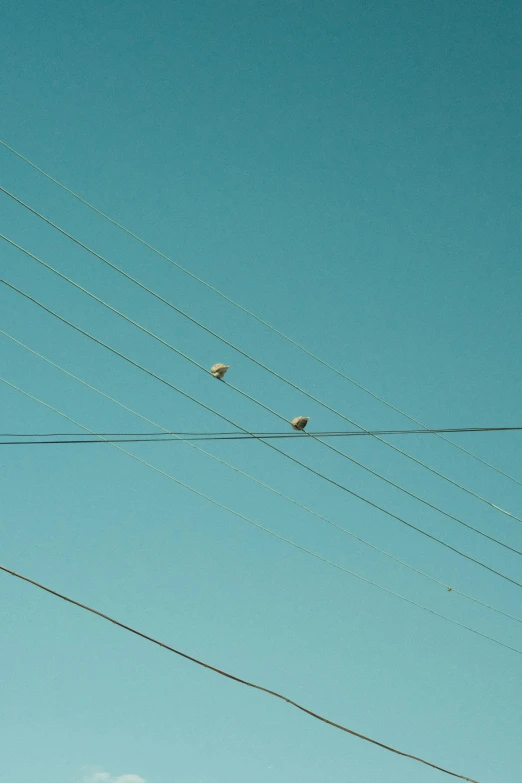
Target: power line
261,527
293,459
257,402
235,388
157,296
270,445
159,437
262,484
324,435
245,310
124,440
229,676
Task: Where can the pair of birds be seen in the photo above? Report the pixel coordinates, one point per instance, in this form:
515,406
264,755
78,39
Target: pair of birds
218,371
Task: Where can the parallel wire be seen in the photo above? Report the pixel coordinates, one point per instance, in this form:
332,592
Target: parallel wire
157,438
248,396
231,676
259,526
243,353
88,441
233,436
255,317
260,483
366,432
266,443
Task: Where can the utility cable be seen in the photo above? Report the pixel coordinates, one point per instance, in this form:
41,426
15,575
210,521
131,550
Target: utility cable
259,526
156,437
270,445
248,396
253,315
255,435
290,383
258,482
230,676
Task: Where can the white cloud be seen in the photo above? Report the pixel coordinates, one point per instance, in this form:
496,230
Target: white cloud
105,777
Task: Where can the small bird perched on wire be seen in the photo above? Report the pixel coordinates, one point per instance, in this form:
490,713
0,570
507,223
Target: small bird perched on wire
300,422
218,370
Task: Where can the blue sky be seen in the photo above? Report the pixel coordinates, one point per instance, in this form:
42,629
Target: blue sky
351,173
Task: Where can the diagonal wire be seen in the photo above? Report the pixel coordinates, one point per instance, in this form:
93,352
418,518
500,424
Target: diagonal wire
290,383
266,443
256,524
257,481
248,396
257,318
230,676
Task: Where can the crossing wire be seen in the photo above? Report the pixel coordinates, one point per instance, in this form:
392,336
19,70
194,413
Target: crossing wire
290,383
262,527
257,481
233,436
156,438
255,317
266,443
248,396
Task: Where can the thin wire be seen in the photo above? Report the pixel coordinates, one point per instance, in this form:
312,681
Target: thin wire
158,437
270,445
253,399
261,527
298,388
257,318
233,436
126,440
261,483
230,676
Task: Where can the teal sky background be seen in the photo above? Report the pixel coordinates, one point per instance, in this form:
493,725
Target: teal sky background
350,172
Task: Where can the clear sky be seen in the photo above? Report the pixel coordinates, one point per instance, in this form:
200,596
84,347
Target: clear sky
351,172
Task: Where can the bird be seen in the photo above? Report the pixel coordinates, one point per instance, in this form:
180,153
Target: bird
300,422
218,370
